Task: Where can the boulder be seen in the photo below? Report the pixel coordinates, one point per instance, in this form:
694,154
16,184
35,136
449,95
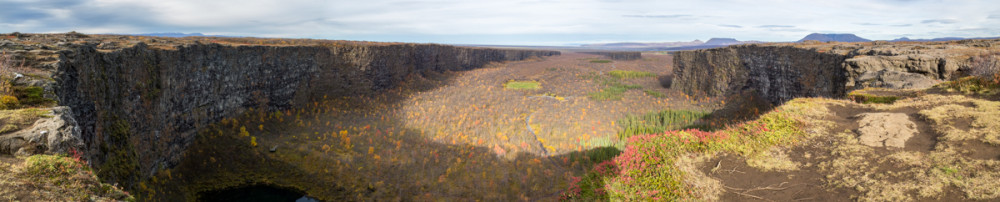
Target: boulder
895,80
56,134
885,129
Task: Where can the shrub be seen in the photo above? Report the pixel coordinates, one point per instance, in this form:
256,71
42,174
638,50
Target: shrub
8,102
658,122
987,67
645,171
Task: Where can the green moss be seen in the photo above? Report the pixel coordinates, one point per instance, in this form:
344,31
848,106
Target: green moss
600,61
628,74
522,85
869,98
32,96
121,161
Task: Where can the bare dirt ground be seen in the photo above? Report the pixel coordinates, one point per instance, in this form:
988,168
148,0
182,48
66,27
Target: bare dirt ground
951,157
450,136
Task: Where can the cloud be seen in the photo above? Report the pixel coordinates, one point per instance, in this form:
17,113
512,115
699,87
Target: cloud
776,26
941,21
551,22
655,16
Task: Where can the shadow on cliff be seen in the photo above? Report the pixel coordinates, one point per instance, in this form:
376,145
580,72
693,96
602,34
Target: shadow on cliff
357,148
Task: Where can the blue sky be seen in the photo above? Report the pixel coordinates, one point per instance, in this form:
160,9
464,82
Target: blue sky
521,22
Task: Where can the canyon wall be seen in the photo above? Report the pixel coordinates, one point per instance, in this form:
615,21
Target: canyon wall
618,55
780,72
140,107
777,73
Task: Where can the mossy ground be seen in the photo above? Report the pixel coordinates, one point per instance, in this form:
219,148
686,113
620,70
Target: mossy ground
53,178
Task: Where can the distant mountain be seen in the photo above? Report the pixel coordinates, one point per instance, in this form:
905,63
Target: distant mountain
834,37
722,42
639,45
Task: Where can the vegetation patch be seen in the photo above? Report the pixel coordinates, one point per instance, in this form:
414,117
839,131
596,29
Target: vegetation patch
659,122
629,74
865,98
13,120
32,96
971,85
56,178
654,94
646,170
522,85
600,61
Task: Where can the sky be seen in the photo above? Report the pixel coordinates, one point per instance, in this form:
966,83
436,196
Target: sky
510,22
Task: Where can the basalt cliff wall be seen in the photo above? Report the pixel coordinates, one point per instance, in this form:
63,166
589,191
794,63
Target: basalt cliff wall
780,72
140,107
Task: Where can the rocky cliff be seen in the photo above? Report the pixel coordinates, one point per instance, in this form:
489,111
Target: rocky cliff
780,72
139,107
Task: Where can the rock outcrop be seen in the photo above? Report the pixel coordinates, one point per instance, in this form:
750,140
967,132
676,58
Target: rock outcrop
780,72
57,133
140,107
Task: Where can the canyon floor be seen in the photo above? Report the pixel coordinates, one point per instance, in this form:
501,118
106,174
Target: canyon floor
450,136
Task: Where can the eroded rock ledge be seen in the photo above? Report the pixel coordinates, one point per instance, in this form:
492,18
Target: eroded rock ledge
780,72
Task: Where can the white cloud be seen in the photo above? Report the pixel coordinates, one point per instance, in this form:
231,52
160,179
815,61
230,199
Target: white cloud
549,22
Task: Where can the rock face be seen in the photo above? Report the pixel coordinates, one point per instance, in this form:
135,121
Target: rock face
885,129
781,72
895,79
57,134
619,55
140,107
778,73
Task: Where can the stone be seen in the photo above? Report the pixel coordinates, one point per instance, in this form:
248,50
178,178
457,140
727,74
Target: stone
895,80
885,129
57,134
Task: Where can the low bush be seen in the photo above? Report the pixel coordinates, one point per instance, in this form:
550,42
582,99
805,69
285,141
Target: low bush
646,171
659,122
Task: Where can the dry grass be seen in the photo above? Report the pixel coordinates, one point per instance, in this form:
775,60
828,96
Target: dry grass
13,120
54,178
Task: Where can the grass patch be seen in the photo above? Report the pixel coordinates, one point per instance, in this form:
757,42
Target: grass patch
869,98
654,94
13,120
32,96
522,85
600,61
613,90
629,74
646,169
659,122
971,85
62,178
